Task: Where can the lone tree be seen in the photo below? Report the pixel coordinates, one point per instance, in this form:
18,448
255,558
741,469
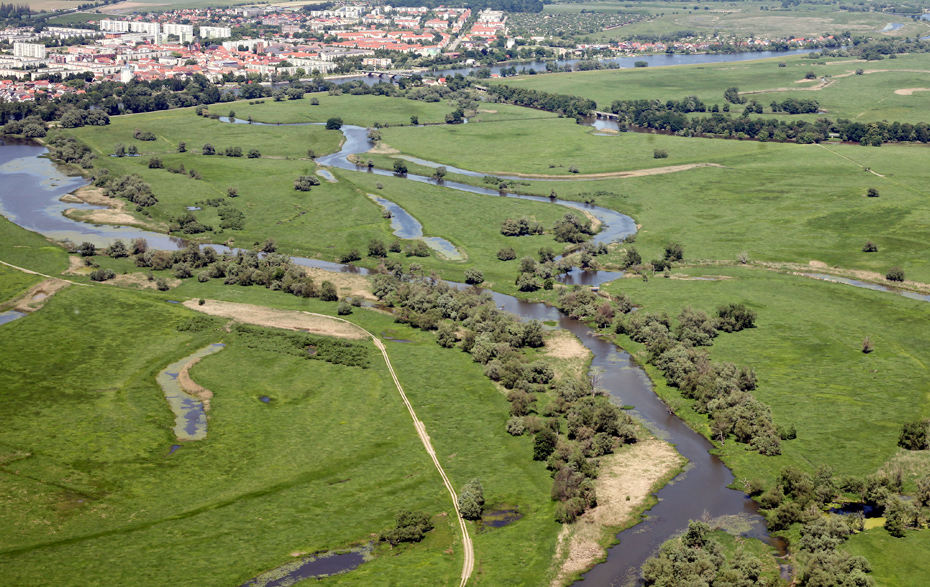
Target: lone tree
895,274
869,247
439,173
872,193
471,500
328,292
674,252
334,123
544,444
376,248
208,149
473,276
400,168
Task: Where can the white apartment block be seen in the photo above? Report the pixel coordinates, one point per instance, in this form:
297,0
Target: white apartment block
149,28
126,26
67,33
114,26
185,32
215,32
29,50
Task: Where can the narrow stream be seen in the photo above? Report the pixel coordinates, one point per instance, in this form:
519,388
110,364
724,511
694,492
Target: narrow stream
29,193
190,418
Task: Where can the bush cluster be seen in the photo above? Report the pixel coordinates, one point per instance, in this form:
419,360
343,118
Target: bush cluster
524,226
70,150
697,559
132,188
298,344
409,527
31,127
143,135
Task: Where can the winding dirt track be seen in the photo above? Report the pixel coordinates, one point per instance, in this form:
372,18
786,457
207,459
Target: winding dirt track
469,563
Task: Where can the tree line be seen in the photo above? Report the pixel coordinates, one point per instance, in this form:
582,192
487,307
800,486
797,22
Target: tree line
570,431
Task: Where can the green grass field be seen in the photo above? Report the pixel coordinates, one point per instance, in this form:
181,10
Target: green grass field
778,202
896,562
365,110
848,406
865,98
743,19
91,476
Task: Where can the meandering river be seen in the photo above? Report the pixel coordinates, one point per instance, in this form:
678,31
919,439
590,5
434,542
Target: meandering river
30,188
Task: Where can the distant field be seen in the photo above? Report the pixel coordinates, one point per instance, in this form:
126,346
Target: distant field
863,97
367,110
744,19
334,217
75,18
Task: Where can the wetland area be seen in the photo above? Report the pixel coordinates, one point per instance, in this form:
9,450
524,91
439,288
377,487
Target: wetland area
297,439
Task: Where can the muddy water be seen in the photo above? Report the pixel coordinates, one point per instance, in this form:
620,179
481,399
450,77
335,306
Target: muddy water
407,227
190,421
311,567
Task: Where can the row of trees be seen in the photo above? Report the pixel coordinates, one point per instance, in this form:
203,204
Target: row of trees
469,320
668,116
566,105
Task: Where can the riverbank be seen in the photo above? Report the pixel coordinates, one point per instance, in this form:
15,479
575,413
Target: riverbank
626,484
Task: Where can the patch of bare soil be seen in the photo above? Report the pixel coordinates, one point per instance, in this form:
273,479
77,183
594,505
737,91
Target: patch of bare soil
565,354
75,266
910,91
192,387
274,318
488,111
383,149
139,281
562,344
626,479
595,222
820,85
612,174
35,297
355,286
115,213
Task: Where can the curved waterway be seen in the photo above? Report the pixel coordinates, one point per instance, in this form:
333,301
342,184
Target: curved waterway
190,420
700,492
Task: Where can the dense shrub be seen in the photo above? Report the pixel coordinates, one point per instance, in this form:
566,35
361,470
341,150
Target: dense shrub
522,227
506,254
895,274
102,274
915,435
410,527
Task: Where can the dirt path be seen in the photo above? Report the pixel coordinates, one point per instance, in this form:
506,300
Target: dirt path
613,174
625,482
31,272
469,563
273,318
332,326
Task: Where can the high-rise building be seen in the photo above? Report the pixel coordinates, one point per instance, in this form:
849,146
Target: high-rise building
215,32
29,50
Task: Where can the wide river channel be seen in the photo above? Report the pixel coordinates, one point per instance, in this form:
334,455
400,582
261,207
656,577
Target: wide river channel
30,192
